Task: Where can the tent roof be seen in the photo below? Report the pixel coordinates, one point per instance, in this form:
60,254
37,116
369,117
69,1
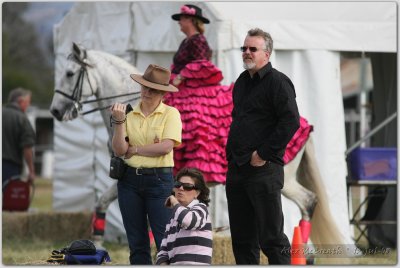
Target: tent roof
338,26
317,25
148,27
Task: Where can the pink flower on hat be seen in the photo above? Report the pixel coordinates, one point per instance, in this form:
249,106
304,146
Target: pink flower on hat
188,10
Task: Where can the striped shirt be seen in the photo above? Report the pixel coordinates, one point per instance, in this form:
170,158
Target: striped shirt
188,236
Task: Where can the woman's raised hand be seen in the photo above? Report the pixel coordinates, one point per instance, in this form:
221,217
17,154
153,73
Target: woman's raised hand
171,201
118,111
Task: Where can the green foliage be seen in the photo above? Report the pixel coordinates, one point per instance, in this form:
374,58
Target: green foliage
23,62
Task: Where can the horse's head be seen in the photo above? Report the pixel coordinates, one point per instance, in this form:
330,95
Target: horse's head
73,85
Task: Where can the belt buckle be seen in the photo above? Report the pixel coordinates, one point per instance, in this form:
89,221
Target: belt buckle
137,172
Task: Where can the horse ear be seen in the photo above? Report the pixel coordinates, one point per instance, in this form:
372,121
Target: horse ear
79,54
76,50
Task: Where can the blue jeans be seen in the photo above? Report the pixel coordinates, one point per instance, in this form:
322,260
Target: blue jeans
9,170
141,197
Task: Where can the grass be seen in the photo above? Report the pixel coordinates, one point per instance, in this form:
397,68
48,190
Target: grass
32,251
36,252
42,196
389,258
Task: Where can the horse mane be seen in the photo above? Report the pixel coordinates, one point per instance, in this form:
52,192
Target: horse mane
114,72
114,61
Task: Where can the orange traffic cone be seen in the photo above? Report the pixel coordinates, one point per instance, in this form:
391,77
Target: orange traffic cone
297,255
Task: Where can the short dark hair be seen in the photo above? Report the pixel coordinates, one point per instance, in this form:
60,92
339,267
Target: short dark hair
269,43
18,92
199,182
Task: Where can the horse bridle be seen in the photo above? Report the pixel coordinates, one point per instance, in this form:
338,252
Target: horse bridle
77,92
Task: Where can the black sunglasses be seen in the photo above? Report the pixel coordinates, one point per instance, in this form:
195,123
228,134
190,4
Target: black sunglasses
252,49
186,186
152,90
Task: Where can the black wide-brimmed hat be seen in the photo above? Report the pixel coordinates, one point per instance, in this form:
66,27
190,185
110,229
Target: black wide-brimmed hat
191,10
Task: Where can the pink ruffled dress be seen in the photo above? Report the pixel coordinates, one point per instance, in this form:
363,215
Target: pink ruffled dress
205,106
298,140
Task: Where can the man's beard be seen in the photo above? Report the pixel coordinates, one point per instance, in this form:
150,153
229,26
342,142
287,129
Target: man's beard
249,66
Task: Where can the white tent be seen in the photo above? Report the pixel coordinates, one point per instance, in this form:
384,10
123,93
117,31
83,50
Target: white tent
308,38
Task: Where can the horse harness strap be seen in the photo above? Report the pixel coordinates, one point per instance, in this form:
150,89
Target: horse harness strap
77,93
106,107
111,97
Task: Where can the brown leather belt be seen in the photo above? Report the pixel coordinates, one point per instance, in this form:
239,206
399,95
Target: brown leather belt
152,171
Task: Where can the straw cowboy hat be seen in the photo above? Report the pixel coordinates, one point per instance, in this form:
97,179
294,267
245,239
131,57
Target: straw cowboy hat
155,77
190,10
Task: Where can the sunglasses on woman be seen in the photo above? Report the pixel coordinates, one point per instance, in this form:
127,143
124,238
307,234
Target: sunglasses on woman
186,186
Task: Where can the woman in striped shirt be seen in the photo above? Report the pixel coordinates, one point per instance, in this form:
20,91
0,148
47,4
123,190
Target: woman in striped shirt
188,235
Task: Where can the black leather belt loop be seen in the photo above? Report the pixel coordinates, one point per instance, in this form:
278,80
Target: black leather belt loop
152,171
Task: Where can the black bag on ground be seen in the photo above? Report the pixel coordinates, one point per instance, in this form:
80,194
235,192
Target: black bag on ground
82,247
79,252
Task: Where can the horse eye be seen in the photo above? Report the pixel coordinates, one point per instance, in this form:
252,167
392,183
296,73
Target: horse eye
70,73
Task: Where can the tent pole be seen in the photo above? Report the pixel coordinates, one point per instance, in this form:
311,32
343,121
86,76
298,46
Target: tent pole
372,132
363,97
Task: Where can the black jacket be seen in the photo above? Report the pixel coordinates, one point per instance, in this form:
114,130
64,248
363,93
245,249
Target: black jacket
17,133
264,118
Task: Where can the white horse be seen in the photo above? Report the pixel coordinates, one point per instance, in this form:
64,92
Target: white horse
91,72
94,73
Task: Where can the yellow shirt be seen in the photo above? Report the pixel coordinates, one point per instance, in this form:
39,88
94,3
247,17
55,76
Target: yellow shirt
164,123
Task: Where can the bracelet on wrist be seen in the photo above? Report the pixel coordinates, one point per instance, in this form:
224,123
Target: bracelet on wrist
118,122
115,121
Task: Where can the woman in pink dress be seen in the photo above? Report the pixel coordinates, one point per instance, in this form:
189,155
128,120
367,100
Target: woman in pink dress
205,105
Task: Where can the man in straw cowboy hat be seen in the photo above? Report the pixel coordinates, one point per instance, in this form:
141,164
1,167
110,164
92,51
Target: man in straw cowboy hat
146,137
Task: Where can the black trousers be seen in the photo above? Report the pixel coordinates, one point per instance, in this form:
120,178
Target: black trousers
255,213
